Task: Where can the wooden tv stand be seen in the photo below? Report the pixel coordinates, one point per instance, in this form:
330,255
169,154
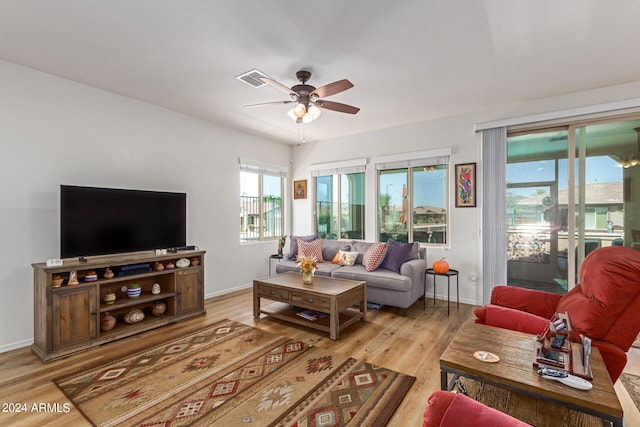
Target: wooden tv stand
67,318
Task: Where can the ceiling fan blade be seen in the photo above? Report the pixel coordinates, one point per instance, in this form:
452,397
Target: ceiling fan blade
267,103
332,88
280,87
337,106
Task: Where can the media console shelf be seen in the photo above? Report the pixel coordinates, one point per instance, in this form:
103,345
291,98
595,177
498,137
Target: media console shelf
67,317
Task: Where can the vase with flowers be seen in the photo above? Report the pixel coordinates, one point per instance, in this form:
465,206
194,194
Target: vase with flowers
308,266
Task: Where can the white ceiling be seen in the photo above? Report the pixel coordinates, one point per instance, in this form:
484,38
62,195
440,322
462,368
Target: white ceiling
410,60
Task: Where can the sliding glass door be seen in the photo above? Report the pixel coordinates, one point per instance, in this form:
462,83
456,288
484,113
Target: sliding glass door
570,190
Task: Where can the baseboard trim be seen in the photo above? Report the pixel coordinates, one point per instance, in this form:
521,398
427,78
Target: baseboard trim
16,345
228,291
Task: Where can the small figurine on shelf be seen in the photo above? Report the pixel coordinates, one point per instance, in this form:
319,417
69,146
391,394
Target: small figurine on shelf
158,266
73,278
155,289
109,297
108,273
281,243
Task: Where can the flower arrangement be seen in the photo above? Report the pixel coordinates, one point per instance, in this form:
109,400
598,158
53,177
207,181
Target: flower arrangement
307,264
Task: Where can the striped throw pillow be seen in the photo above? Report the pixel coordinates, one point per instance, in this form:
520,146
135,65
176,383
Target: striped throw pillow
374,256
313,248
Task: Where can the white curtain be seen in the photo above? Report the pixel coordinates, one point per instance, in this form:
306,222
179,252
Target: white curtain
494,208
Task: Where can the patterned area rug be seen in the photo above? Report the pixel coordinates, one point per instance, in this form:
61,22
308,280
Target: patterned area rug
230,374
631,383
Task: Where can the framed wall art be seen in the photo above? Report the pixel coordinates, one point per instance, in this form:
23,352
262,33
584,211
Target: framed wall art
300,189
465,176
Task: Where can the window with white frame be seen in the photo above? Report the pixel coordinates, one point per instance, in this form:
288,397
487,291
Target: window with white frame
340,199
261,201
413,197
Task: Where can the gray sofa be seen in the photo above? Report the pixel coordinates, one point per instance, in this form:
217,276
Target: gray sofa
384,287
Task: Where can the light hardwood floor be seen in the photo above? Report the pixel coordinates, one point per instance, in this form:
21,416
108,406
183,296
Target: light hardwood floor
411,345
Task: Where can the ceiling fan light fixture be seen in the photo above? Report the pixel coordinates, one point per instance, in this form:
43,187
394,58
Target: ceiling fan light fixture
312,114
299,110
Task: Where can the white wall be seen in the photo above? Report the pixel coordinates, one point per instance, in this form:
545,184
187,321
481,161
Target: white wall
54,131
465,250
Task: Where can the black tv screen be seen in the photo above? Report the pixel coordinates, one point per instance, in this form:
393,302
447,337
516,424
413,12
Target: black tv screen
100,221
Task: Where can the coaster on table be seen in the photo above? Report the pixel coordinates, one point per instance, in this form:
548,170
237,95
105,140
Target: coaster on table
485,356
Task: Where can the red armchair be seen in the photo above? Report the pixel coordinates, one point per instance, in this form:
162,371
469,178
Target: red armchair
453,409
603,307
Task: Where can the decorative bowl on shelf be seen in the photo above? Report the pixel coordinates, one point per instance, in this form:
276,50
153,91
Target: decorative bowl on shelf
169,266
91,276
134,316
195,261
134,290
56,281
182,263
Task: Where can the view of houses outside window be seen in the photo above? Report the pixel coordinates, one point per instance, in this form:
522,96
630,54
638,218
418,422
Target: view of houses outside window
260,207
340,206
538,188
413,204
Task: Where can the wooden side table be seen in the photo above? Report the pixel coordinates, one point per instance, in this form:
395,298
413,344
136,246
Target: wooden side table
448,275
276,257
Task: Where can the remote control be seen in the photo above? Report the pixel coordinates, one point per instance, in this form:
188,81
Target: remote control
565,378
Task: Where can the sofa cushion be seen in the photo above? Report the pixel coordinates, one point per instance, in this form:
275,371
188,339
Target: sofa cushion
380,278
293,248
345,258
310,249
331,247
361,248
397,254
374,256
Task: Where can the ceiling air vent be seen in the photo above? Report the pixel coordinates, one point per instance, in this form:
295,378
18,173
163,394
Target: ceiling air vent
252,78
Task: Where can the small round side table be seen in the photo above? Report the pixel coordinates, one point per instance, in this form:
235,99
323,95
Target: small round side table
448,275
277,257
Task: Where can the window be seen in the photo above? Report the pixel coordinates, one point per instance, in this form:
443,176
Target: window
413,198
261,215
340,206
340,199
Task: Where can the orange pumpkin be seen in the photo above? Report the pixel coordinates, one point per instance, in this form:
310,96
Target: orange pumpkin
441,266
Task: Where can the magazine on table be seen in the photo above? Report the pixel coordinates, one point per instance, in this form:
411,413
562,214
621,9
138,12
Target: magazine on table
311,314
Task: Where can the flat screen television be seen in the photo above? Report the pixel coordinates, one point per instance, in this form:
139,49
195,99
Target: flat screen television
100,221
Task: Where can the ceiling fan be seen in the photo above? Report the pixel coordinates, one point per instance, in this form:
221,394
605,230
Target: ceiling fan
307,98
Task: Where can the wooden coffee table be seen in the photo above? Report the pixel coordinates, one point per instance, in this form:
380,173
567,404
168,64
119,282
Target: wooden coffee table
335,297
515,371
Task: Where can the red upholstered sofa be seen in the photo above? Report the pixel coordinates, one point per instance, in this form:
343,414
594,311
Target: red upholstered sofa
605,306
454,409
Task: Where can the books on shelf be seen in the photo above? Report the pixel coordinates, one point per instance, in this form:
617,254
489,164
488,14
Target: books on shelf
311,314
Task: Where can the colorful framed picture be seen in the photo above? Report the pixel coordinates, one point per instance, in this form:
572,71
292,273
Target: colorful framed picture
465,176
300,189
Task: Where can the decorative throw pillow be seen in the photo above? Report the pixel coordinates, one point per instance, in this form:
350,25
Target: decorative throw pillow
374,255
293,253
345,258
312,249
397,254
